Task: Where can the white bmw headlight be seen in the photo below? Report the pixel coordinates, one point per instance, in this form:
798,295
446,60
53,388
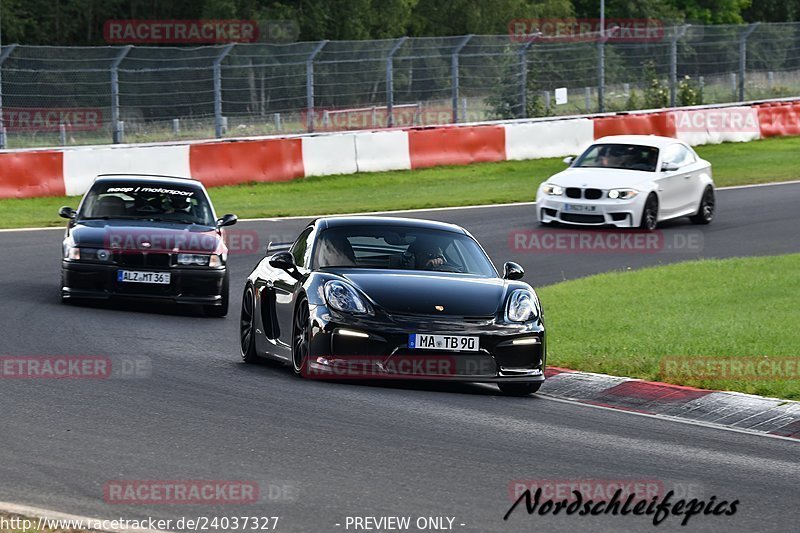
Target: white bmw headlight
343,297
551,189
522,306
622,194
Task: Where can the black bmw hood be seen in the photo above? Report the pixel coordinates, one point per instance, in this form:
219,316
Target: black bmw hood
145,235
421,292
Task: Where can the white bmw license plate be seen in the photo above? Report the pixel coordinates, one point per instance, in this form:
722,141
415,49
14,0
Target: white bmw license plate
134,276
443,342
579,208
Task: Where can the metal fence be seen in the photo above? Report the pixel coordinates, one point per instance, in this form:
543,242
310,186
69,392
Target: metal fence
81,95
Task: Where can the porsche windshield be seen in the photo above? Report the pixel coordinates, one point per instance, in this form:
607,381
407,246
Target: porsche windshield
155,201
401,248
620,156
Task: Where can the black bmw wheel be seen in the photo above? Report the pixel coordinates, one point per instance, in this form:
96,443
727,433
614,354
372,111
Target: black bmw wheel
705,214
650,214
300,337
518,389
247,328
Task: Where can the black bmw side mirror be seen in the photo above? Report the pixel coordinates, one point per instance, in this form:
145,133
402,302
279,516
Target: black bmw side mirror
227,220
512,271
67,212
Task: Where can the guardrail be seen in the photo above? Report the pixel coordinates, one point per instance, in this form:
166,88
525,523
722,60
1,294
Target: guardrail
56,172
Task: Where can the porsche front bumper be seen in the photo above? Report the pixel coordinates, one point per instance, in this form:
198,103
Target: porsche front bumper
350,347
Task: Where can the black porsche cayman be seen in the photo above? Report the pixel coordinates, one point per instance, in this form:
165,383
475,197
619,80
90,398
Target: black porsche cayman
378,297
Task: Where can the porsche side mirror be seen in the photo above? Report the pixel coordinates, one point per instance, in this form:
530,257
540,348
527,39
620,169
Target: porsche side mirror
669,166
282,260
67,212
569,160
512,271
227,220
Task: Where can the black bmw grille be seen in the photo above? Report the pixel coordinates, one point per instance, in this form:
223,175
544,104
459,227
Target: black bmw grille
589,194
144,259
592,194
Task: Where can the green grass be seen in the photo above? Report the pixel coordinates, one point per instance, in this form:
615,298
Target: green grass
623,323
509,181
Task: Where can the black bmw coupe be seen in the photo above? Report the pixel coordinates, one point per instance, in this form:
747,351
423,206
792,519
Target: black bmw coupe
379,297
146,237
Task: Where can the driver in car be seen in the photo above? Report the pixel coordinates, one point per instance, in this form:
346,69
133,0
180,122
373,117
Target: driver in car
178,204
428,254
612,158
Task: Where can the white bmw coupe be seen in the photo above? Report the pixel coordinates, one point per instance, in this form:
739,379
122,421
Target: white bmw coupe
629,181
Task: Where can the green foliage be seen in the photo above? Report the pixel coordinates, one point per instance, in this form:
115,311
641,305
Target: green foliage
782,91
633,101
80,22
689,93
656,93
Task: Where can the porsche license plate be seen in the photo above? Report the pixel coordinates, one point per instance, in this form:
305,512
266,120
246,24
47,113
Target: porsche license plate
134,276
458,343
579,208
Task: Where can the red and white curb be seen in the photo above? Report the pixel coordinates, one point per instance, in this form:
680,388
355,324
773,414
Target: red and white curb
734,410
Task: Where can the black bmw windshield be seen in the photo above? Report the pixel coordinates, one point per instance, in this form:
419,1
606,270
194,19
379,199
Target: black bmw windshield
401,248
156,201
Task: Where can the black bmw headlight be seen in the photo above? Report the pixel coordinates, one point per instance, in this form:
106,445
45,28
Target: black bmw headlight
74,253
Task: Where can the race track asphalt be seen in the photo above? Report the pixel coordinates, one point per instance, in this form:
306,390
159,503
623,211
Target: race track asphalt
324,451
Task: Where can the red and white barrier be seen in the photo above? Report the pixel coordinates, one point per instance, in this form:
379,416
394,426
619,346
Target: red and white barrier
329,154
55,172
378,151
553,138
81,166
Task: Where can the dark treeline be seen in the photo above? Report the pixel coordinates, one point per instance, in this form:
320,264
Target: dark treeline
80,22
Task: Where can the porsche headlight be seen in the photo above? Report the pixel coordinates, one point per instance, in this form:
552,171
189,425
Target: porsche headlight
622,194
522,306
343,297
551,189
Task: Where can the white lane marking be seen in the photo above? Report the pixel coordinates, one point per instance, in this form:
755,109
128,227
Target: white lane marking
419,210
37,512
669,418
6,230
